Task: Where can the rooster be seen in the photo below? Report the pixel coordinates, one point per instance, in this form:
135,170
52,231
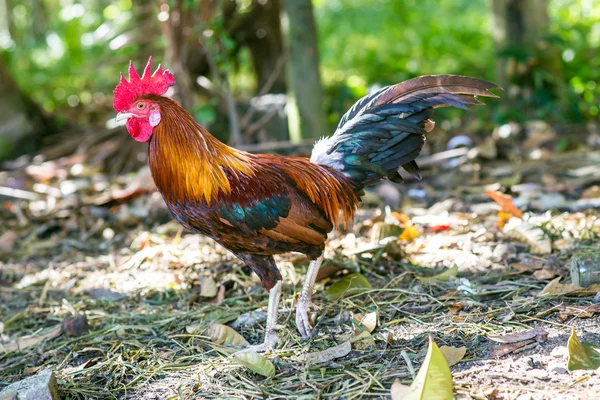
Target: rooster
259,205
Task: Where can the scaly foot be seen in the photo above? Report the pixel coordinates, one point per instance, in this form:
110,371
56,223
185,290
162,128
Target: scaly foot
271,340
304,322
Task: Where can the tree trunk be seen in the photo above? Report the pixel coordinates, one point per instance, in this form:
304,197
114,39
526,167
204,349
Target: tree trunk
22,124
526,61
262,35
306,115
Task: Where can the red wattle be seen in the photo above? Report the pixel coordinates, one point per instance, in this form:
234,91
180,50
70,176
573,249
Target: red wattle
139,129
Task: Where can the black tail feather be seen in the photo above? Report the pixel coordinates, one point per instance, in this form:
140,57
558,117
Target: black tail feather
385,131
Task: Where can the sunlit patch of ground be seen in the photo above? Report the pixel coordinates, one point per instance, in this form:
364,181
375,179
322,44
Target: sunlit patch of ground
137,279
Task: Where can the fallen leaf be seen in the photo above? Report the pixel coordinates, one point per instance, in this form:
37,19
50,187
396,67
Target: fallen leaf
530,266
327,271
256,363
365,342
505,202
434,380
26,342
222,334
409,233
554,288
508,348
368,321
545,273
439,228
348,285
503,218
593,192
89,363
399,391
320,357
539,334
526,233
443,276
582,355
382,230
400,217
567,312
220,295
208,287
489,392
453,355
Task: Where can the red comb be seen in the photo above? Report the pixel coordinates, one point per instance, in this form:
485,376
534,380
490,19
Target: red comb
129,90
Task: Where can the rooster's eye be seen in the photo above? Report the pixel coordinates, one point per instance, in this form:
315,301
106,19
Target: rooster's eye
141,106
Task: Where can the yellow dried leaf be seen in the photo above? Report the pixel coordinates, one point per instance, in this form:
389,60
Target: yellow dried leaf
223,334
402,218
505,202
582,355
453,355
410,233
208,287
368,321
554,288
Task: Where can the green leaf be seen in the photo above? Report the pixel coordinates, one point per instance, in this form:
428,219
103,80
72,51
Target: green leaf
444,276
348,285
256,363
434,381
582,355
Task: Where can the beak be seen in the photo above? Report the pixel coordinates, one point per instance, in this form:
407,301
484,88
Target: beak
123,116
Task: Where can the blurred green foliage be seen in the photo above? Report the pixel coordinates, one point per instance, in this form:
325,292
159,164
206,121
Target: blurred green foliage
67,54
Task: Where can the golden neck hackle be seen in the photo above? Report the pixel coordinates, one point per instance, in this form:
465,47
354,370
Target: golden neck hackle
186,161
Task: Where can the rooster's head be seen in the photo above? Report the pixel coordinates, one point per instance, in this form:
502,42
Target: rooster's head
132,102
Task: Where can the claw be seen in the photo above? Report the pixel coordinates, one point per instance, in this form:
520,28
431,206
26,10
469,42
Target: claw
303,320
271,340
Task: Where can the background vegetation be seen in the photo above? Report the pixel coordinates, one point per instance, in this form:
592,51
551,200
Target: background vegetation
66,55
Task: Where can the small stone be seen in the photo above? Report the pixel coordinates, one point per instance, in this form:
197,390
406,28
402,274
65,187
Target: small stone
503,251
41,386
75,326
557,368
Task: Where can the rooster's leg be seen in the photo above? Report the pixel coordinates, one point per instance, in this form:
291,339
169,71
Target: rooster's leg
271,337
303,320
266,269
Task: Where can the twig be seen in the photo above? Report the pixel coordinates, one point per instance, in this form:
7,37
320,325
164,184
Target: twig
260,123
273,146
245,120
441,157
18,193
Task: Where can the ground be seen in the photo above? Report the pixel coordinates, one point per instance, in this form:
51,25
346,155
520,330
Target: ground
81,243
